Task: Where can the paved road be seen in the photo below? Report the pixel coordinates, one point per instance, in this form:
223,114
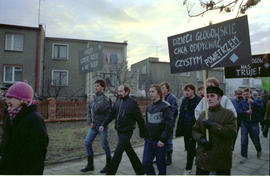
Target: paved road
253,166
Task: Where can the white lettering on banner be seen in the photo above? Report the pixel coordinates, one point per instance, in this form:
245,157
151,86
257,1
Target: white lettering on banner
180,50
94,64
94,56
257,60
83,60
88,51
182,40
247,70
216,33
188,61
222,52
207,45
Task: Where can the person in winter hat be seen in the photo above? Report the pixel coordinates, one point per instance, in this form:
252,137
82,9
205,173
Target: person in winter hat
26,135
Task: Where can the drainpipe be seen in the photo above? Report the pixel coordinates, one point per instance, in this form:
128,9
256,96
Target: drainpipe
37,60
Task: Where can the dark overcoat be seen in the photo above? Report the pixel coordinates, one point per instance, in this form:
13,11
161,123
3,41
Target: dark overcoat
26,144
221,136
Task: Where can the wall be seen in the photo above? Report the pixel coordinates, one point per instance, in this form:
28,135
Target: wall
25,58
78,84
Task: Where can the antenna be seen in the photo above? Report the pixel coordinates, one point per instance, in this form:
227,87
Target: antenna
157,46
38,12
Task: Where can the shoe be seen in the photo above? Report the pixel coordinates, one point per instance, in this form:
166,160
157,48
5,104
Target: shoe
187,172
259,154
169,158
105,169
243,160
90,165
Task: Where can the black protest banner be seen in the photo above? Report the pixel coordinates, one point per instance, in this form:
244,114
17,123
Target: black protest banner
220,45
90,59
259,67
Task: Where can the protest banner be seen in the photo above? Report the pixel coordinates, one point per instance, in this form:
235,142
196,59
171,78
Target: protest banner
259,67
90,59
219,45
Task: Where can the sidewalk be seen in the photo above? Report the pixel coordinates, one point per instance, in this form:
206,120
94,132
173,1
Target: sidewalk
253,166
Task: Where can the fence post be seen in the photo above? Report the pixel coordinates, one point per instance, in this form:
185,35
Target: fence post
51,108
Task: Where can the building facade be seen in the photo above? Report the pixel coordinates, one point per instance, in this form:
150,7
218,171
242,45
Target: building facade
61,67
21,55
151,71
51,65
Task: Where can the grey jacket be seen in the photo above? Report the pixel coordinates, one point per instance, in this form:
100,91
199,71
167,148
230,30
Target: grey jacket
99,109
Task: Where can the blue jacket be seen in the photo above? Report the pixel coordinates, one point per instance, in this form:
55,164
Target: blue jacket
159,121
236,104
257,110
170,98
186,114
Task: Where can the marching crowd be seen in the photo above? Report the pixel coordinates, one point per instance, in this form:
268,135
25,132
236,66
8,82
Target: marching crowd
209,127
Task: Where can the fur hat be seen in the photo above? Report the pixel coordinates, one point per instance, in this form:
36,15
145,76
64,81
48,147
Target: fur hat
216,90
21,91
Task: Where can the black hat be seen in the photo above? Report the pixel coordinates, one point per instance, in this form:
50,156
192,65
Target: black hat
216,90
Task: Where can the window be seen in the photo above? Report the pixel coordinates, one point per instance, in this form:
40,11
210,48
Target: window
12,74
60,51
14,42
59,77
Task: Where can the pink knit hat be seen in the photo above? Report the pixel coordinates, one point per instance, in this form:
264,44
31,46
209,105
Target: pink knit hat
21,91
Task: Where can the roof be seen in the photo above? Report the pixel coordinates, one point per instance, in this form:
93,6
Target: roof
84,40
19,27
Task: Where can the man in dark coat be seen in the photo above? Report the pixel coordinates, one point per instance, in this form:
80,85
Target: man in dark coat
26,135
126,113
251,111
215,153
186,121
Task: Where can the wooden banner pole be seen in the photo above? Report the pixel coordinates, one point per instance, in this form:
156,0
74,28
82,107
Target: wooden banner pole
249,97
205,101
90,78
91,83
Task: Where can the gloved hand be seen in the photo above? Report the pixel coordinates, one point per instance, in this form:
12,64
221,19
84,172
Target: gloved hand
265,131
206,144
207,123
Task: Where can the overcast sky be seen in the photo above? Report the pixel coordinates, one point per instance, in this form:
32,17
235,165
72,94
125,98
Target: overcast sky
145,24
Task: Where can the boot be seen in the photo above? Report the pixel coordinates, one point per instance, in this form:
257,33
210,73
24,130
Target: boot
169,158
90,164
105,169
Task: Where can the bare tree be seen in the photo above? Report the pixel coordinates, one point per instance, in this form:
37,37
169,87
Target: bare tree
53,89
115,76
226,6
